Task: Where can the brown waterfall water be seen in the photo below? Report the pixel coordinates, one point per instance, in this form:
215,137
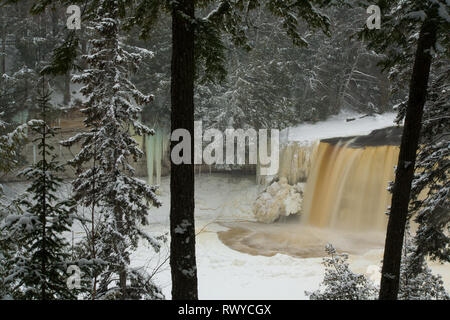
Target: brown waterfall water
344,201
347,186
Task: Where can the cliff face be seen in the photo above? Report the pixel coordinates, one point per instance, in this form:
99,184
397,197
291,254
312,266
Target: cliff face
390,136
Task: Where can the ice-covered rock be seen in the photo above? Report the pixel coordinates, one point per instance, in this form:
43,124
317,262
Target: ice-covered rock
278,200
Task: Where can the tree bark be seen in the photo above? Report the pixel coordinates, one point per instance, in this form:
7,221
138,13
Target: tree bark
3,53
66,98
182,246
123,282
406,162
44,199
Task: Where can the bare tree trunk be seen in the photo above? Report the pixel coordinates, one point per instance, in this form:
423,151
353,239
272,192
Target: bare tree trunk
93,238
406,162
66,98
44,198
182,246
54,17
123,282
4,33
346,84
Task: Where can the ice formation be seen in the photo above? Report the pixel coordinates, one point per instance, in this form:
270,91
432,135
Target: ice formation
279,200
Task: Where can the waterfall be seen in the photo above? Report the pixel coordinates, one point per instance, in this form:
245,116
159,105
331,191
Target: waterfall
347,186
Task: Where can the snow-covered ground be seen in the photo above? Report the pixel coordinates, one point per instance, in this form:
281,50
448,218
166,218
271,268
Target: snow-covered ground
338,126
224,273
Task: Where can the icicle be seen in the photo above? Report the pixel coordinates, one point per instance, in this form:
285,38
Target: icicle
158,145
149,150
258,178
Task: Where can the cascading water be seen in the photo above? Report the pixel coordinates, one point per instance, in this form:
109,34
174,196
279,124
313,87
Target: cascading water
347,185
344,200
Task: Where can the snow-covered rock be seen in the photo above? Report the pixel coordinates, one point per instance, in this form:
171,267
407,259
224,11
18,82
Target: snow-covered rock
278,200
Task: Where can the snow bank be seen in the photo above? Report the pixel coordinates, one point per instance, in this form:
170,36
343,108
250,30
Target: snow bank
338,126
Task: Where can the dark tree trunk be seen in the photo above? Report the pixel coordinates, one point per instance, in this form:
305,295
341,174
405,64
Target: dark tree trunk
406,162
44,198
182,245
123,282
83,41
54,16
66,98
3,35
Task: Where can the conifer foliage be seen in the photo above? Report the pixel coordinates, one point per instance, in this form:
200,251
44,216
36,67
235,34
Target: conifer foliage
417,282
105,175
431,185
39,253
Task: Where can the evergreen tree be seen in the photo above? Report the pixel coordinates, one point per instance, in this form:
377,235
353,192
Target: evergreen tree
417,282
39,253
112,109
277,84
339,282
11,141
430,190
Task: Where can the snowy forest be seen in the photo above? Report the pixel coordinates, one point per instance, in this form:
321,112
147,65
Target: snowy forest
135,138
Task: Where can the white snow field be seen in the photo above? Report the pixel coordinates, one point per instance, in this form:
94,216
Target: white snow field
224,273
338,126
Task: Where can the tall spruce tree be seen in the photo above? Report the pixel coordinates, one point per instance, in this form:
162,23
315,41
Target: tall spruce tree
40,253
430,199
10,142
112,109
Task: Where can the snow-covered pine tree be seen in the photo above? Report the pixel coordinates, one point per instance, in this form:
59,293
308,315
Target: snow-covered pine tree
417,282
38,252
340,283
430,191
12,138
112,109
